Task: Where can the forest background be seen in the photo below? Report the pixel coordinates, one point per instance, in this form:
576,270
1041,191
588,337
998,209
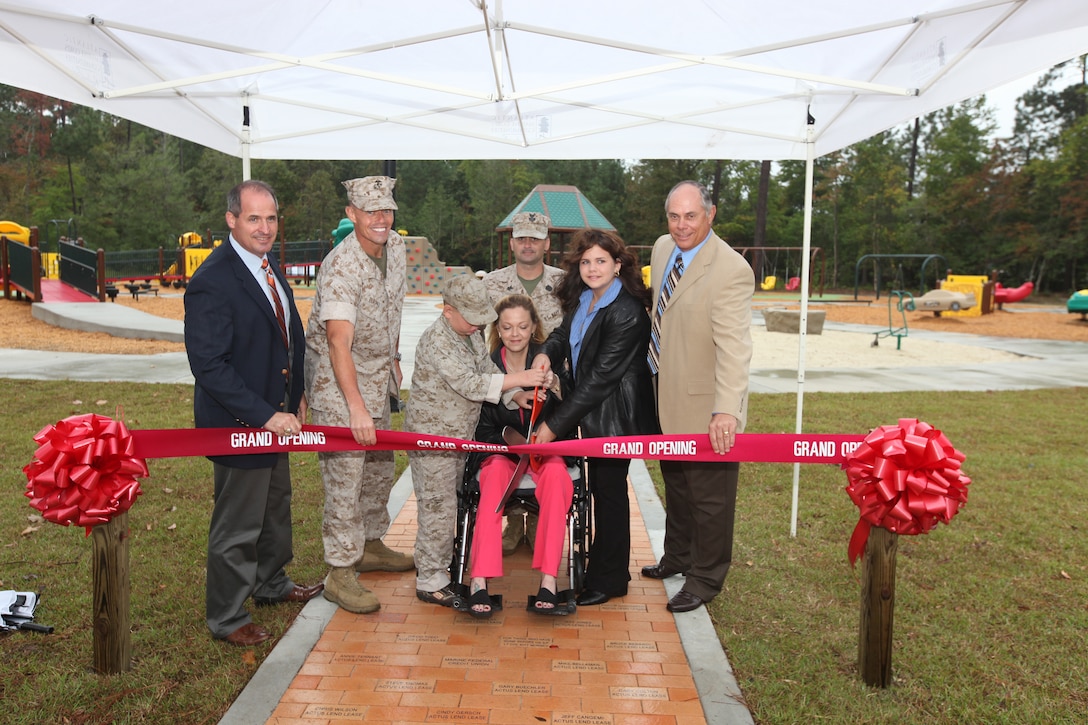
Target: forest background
942,185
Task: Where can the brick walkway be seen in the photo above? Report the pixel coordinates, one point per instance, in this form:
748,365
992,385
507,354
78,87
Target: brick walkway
621,663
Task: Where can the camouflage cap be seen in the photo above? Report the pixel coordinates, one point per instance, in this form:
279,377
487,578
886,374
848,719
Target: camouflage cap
371,193
468,295
530,224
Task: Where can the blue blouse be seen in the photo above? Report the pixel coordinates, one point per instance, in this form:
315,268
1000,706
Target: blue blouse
583,317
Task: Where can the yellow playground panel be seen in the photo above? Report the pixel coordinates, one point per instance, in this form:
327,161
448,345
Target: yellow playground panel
50,265
194,255
975,284
193,259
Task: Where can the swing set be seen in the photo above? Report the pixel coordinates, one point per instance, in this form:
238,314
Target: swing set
881,264
764,262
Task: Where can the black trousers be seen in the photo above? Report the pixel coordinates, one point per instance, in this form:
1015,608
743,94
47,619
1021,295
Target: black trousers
249,542
700,505
609,567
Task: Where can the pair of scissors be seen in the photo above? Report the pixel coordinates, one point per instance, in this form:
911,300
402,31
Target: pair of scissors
515,438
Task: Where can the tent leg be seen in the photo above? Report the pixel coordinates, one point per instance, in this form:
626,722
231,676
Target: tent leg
810,146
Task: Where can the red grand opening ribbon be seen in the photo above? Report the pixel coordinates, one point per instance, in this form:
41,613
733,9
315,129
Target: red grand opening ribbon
751,447
84,471
905,478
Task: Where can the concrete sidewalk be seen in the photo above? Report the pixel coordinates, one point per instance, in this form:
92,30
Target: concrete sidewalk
1045,363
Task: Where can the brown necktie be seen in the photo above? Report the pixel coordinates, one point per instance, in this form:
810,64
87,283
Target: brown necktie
276,300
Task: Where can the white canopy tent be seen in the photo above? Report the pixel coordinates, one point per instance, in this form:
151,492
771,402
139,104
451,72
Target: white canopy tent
565,79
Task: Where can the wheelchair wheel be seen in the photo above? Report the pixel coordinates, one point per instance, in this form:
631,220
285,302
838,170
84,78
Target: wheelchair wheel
580,530
468,497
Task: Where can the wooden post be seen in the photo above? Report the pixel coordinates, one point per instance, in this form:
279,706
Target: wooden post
110,603
877,608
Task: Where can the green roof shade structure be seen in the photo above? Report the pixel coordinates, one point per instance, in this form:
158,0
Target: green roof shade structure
568,209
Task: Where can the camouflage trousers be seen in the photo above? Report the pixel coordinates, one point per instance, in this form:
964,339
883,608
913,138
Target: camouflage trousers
357,486
435,477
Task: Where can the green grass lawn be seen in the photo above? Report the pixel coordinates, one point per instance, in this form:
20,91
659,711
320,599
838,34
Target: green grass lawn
991,611
991,616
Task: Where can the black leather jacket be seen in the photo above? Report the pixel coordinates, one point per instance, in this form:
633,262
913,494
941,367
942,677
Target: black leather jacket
611,391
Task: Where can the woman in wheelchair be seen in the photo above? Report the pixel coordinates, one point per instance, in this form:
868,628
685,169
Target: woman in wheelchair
515,339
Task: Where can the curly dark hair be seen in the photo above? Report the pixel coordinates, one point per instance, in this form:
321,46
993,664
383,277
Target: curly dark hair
570,289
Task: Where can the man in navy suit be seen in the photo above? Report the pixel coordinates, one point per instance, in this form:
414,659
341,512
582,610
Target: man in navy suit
245,346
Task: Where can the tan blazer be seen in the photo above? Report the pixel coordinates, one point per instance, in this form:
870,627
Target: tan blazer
706,340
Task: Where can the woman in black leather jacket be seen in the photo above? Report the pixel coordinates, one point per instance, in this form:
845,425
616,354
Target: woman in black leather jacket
600,350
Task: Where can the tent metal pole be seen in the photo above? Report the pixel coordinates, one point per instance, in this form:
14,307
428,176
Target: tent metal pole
246,175
802,332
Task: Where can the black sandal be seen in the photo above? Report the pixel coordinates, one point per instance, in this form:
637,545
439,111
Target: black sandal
443,597
545,596
480,598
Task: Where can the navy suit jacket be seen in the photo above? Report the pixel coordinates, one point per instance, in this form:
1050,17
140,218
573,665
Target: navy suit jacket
243,372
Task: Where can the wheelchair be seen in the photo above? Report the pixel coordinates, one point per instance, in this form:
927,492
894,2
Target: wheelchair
523,500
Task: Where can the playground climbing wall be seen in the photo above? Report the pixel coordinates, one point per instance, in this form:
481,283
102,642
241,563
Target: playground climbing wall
426,272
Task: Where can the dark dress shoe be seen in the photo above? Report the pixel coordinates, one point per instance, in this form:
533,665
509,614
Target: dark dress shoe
589,597
659,571
298,593
684,601
248,635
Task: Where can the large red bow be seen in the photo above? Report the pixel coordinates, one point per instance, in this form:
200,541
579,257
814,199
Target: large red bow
84,471
905,478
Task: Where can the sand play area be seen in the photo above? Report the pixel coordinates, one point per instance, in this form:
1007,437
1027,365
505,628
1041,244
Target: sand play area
772,350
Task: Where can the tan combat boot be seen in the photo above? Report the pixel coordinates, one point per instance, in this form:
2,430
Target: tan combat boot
342,587
512,536
379,557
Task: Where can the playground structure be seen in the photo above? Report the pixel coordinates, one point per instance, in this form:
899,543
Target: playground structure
942,300
15,232
26,269
104,275
989,294
426,273
902,302
899,280
1004,294
1078,304
80,271
766,272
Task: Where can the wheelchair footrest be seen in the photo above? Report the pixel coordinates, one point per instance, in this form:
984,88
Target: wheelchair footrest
565,605
462,603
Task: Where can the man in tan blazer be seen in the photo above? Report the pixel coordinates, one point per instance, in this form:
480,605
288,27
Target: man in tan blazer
704,346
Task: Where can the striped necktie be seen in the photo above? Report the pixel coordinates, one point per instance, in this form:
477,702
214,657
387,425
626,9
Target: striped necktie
280,317
654,358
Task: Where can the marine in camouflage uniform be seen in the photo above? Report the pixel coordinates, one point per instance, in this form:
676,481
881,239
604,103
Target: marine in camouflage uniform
529,275
505,281
453,375
368,293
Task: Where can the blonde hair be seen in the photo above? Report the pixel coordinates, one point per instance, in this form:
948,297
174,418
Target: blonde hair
509,302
